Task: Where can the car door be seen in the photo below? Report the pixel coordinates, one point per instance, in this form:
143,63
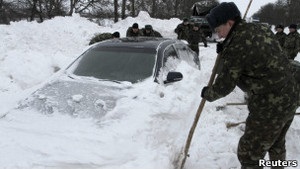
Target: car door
169,62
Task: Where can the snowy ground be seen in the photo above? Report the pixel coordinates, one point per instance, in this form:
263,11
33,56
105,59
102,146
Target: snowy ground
143,133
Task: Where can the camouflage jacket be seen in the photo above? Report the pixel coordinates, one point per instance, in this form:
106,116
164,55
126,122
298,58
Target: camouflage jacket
100,37
292,45
152,33
130,33
253,61
183,31
280,36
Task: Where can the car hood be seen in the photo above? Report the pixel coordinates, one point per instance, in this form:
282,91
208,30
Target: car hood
76,97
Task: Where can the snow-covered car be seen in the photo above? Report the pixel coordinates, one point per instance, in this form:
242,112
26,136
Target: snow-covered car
91,85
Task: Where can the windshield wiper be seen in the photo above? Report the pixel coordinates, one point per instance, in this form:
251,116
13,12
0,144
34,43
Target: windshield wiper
71,77
109,80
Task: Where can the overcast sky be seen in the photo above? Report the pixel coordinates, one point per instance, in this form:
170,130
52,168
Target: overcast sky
255,6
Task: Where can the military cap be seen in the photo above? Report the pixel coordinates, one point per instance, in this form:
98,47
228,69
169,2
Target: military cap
148,27
293,26
279,26
116,34
222,13
135,26
185,19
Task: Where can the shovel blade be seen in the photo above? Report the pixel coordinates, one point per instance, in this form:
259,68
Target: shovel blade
179,161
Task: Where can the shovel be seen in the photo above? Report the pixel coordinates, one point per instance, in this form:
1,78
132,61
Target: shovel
234,124
229,104
180,160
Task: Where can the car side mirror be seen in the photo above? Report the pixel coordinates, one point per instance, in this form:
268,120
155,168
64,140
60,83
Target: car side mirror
173,77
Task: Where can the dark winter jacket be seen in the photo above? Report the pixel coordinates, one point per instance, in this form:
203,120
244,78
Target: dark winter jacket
100,37
152,33
292,45
130,33
194,38
280,36
183,31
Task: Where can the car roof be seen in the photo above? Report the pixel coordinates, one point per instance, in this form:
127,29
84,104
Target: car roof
154,44
141,42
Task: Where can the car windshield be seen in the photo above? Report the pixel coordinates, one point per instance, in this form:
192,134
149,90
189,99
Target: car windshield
116,64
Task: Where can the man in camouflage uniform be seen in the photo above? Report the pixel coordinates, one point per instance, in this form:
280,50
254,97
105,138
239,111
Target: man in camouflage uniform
292,42
280,35
183,30
148,31
134,31
254,63
104,36
196,36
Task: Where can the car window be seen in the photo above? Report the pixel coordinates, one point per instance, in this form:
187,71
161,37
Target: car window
170,58
121,64
185,53
169,52
194,56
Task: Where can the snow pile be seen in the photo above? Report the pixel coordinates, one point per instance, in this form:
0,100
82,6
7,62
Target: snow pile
147,128
165,27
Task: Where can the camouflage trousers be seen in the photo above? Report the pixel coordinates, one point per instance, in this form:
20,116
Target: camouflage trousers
291,54
195,48
270,117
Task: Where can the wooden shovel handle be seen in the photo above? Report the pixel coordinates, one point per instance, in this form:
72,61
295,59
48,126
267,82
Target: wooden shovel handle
199,111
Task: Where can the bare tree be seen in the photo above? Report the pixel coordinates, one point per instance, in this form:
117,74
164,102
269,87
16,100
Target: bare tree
283,12
36,10
294,11
72,6
154,3
176,5
116,14
123,9
53,8
97,9
3,14
132,7
280,13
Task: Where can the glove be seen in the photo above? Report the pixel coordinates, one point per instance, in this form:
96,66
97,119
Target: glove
205,45
204,89
219,47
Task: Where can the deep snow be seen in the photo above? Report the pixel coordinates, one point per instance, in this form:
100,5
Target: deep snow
142,133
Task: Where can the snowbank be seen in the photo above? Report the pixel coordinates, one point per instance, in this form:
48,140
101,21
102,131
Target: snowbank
134,135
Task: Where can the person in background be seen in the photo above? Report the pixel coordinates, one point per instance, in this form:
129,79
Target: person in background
292,42
182,30
104,36
280,35
134,31
196,36
253,61
148,31
191,23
